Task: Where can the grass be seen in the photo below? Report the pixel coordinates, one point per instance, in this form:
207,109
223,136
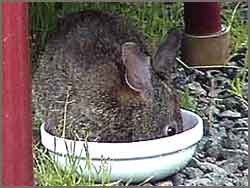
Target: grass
232,17
238,28
49,173
154,19
238,83
187,101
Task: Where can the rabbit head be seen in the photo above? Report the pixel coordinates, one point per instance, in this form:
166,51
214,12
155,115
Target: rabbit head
148,81
144,104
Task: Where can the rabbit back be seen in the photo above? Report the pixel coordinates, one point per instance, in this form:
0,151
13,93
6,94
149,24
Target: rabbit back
82,65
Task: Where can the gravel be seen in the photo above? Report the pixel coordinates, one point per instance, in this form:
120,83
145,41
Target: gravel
221,158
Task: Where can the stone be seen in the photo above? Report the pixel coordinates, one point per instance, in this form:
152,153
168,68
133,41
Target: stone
231,141
201,144
200,76
215,125
199,182
192,172
165,183
244,181
147,184
245,162
235,181
213,110
231,72
219,133
230,114
196,89
245,172
236,155
243,122
227,123
236,159
179,178
236,58
211,159
231,167
222,82
230,153
228,183
213,149
244,109
209,167
213,73
235,104
245,89
216,178
244,147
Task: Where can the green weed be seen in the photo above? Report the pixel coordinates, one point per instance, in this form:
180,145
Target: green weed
154,19
187,101
48,172
238,83
232,17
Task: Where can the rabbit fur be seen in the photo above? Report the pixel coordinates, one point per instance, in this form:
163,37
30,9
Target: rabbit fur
116,89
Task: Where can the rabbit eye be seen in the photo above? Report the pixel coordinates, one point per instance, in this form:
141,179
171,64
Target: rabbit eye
171,131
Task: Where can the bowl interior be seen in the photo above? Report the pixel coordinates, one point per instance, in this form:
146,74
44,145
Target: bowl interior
188,121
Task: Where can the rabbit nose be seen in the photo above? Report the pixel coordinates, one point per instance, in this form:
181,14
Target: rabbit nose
171,131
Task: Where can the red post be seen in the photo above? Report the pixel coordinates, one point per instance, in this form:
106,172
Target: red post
202,18
17,163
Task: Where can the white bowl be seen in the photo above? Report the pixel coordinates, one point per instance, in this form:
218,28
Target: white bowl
135,161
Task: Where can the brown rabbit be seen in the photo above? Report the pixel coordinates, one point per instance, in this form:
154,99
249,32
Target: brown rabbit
101,66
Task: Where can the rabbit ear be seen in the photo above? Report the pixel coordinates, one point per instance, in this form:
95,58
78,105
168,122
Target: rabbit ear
137,69
164,58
